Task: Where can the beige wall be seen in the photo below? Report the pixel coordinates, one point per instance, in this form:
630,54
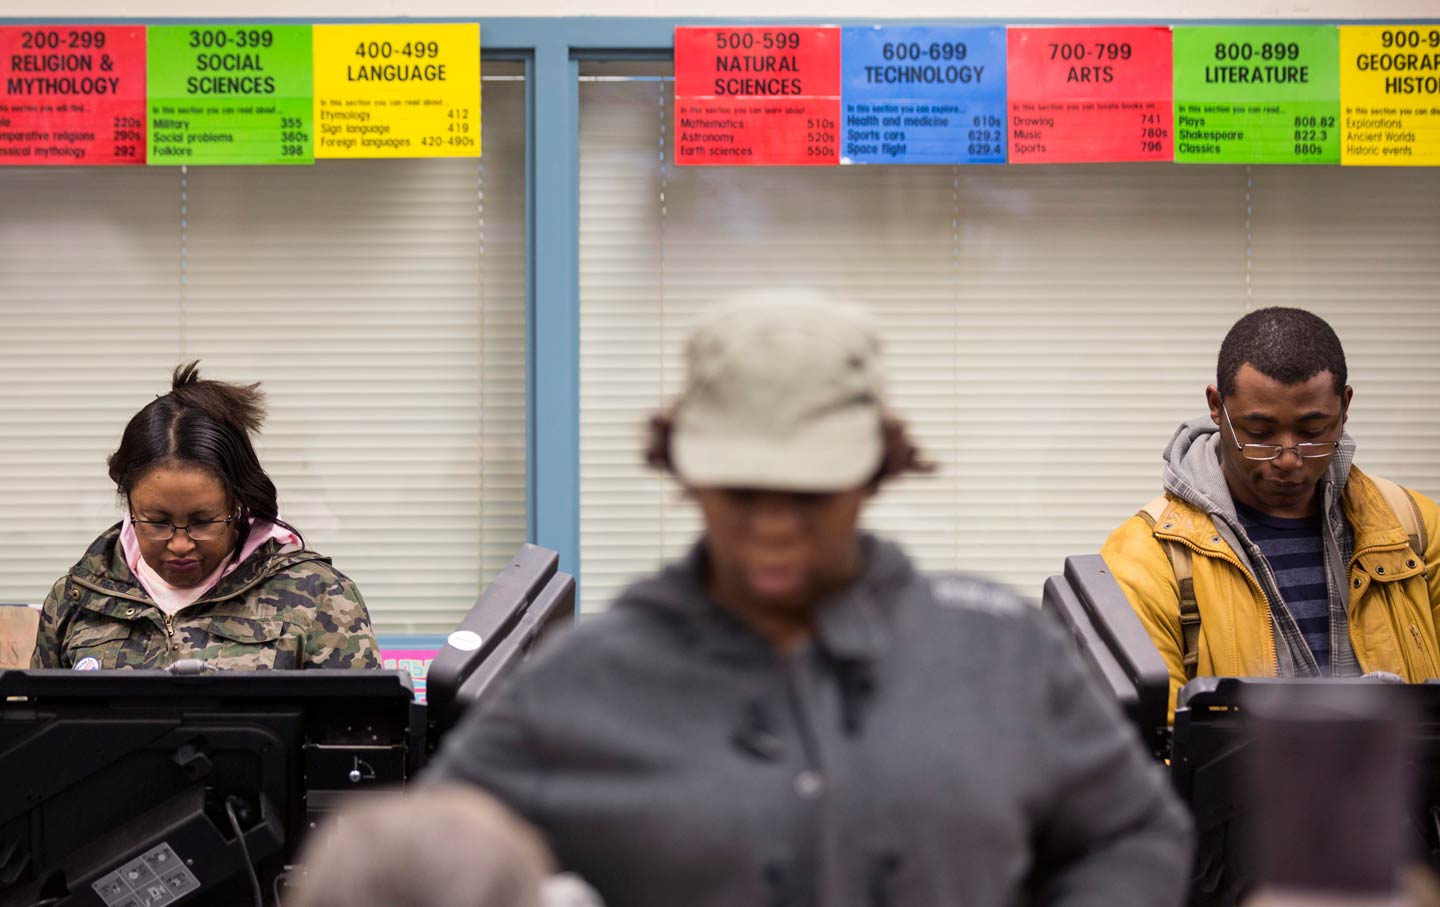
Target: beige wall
1004,9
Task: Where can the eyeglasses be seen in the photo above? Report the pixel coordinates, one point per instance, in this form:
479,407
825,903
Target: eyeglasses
161,531
1310,451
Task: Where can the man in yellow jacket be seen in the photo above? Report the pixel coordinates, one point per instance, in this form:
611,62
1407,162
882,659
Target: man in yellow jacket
1283,558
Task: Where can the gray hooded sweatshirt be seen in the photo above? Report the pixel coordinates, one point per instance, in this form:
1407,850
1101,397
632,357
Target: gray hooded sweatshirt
936,743
1194,475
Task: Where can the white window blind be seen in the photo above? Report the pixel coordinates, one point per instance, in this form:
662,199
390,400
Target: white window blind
1046,328
380,303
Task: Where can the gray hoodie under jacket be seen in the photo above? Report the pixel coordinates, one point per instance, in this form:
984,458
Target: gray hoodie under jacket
1193,474
936,743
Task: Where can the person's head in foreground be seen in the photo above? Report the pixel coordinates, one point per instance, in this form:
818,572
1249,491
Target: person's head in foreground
781,437
792,713
423,847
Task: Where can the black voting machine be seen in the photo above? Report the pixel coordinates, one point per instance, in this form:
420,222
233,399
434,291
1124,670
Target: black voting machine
190,786
141,788
1213,736
1089,605
149,788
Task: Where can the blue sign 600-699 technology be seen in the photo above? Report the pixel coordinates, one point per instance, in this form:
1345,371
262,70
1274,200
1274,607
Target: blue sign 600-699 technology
923,95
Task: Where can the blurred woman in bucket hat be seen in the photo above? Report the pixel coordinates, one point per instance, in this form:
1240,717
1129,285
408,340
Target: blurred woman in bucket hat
792,714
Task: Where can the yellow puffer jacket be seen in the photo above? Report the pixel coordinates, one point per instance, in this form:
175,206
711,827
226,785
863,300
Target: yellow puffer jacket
1393,597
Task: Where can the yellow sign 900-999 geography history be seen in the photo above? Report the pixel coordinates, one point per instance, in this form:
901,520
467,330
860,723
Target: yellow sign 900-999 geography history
1390,95
403,90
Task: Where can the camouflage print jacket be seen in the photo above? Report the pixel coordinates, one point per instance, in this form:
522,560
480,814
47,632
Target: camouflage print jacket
284,607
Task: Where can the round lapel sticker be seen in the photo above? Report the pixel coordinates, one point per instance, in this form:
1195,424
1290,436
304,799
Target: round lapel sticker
88,663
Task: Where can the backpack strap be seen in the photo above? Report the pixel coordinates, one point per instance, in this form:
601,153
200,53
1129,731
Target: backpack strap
1406,510
1180,562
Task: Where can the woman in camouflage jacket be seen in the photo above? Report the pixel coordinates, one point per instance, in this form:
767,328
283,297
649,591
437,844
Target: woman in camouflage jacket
233,585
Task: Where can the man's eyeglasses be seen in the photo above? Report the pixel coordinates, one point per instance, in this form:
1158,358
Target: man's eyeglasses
161,531
1310,451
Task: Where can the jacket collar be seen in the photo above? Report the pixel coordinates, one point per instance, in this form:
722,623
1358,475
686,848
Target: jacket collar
856,623
103,567
853,625
1375,525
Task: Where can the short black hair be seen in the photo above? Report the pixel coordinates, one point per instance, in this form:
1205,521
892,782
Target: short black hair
1288,345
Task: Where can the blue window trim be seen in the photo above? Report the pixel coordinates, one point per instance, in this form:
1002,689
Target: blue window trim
552,49
403,641
553,261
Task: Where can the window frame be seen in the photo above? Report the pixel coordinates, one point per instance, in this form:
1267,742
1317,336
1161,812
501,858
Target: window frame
551,50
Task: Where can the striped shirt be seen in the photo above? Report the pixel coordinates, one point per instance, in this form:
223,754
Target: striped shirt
1295,550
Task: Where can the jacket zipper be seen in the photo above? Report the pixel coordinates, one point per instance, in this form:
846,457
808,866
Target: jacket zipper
1249,578
169,620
